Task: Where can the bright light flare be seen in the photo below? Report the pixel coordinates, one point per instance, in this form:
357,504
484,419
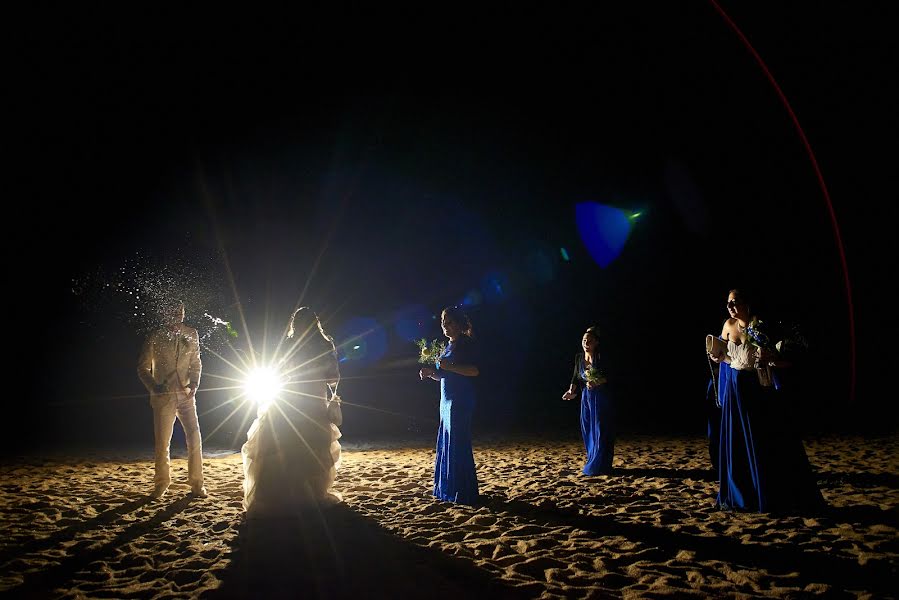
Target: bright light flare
262,386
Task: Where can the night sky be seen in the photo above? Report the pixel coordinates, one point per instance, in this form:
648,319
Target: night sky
384,167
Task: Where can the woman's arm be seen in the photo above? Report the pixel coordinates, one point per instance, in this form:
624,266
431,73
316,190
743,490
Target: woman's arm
332,371
467,365
575,374
725,335
464,370
571,394
772,358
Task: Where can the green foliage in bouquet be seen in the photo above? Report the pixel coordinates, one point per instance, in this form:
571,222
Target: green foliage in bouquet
786,339
595,376
430,353
792,344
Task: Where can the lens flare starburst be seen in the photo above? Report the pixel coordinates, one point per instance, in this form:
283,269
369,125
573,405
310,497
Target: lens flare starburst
262,386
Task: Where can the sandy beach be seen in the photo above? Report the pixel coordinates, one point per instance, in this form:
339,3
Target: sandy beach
84,527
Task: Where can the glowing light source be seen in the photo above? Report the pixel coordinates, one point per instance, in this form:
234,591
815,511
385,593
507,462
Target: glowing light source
635,215
262,386
565,256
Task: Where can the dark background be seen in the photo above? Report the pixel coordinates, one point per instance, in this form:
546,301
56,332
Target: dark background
384,160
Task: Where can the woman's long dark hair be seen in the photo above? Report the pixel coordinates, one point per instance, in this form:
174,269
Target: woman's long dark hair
306,324
594,331
456,315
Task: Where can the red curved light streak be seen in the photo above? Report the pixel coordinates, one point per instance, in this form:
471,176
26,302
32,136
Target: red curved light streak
821,184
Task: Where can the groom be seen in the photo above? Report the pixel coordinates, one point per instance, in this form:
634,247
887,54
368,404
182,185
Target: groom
169,367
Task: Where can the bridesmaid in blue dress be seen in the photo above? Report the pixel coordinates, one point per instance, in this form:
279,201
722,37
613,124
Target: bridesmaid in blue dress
455,479
597,415
762,467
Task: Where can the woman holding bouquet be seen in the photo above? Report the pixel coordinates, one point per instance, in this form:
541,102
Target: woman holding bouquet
455,479
597,415
762,468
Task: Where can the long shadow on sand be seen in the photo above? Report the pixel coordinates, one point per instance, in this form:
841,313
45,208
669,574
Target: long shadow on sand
42,583
859,480
813,567
72,531
699,474
338,553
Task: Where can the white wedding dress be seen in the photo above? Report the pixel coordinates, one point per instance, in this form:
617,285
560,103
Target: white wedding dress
292,453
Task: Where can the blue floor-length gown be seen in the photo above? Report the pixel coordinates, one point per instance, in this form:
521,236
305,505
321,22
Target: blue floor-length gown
763,465
597,424
741,467
455,478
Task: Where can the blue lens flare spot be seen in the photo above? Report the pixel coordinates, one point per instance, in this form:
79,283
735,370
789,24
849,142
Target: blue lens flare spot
361,339
603,230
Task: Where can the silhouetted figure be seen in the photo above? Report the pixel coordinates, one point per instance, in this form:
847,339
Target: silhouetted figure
291,455
169,367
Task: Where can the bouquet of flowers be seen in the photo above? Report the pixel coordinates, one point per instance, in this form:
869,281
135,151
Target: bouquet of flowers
429,354
790,340
755,331
594,376
790,344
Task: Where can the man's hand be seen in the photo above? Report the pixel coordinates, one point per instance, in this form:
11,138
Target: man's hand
569,395
426,372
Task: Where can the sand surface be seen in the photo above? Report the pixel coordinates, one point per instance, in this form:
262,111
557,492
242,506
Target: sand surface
84,527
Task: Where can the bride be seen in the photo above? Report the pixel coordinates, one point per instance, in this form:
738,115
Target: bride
291,454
